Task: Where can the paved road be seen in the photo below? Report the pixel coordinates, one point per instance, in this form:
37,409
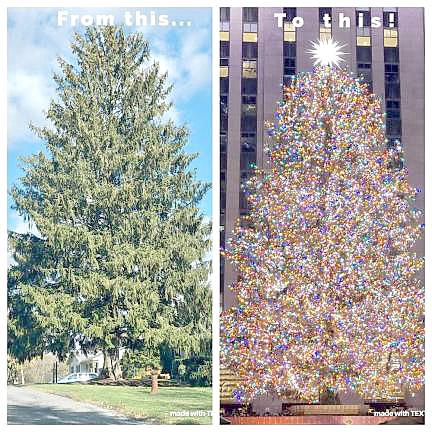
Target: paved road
27,406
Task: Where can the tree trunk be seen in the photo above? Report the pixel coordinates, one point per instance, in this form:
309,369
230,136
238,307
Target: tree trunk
106,371
115,364
154,382
22,374
111,367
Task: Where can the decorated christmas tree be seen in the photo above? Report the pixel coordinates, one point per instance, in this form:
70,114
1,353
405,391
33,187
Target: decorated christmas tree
328,296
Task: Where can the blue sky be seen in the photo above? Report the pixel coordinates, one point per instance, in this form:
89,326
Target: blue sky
35,41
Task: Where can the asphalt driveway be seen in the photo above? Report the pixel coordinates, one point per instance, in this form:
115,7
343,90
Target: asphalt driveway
27,406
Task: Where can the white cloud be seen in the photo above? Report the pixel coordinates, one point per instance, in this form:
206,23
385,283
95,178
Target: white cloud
20,226
28,96
34,43
189,66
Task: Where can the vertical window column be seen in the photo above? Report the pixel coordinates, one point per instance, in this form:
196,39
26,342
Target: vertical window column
392,82
224,23
325,30
223,137
363,27
248,121
289,46
364,64
364,46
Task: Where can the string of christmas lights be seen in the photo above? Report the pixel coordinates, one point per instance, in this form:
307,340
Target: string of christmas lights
327,296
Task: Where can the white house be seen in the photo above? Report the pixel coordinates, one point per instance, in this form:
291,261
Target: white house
79,362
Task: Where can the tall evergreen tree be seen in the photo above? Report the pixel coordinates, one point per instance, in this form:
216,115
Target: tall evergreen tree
120,257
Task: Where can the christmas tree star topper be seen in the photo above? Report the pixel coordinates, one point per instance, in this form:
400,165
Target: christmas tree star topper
327,53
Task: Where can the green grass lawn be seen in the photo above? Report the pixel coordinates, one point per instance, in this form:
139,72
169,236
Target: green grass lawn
138,402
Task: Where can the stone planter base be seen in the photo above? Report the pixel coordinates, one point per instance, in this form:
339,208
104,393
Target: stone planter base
310,419
321,409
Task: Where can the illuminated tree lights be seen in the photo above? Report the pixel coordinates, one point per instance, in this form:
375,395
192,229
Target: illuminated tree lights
327,295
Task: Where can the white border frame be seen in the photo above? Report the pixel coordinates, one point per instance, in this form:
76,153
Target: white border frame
215,197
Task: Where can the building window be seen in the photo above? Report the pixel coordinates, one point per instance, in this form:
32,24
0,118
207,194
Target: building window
249,50
289,31
390,18
224,24
364,64
223,155
391,55
223,123
249,87
289,62
391,73
249,105
363,23
392,90
250,24
390,37
250,14
224,50
248,142
248,123
289,66
249,69
224,85
224,58
289,46
325,31
393,109
390,25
